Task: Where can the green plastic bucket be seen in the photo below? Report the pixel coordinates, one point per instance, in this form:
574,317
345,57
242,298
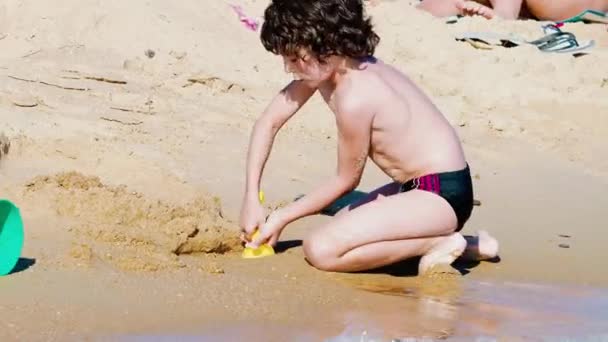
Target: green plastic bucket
11,236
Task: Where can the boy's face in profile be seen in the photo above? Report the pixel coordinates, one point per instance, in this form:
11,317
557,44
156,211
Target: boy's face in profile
306,66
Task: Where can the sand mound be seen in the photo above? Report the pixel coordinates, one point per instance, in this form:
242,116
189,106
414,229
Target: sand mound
130,231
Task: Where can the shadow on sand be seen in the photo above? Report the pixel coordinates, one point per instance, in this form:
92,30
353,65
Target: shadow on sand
23,264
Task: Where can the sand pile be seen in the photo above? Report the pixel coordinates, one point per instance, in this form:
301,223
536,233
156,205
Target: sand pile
130,231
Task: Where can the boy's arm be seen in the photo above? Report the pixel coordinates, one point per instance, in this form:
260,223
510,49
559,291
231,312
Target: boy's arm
354,134
281,108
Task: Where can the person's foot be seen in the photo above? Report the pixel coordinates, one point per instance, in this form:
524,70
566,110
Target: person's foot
444,253
482,247
472,8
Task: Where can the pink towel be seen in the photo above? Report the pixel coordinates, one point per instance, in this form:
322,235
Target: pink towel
249,22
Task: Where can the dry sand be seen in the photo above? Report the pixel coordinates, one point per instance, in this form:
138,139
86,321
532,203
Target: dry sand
128,126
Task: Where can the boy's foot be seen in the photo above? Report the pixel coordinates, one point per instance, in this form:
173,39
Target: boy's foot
444,253
482,247
472,8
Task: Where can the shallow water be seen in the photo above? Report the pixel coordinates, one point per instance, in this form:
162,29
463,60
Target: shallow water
530,311
484,311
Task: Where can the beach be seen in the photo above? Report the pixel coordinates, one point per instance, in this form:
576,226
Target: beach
128,126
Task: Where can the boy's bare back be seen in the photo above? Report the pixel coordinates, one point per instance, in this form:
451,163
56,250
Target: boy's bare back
409,136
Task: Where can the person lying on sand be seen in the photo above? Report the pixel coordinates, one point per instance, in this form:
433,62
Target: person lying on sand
328,46
549,10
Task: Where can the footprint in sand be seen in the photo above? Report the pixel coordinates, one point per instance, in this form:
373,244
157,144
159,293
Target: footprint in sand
215,84
5,145
24,100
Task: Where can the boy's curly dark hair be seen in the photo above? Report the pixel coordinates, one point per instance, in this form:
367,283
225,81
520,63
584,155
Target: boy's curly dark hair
326,27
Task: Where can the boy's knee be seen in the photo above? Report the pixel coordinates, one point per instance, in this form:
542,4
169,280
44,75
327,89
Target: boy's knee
320,254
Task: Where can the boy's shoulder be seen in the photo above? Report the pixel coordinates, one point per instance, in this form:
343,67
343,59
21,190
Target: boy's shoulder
354,101
361,89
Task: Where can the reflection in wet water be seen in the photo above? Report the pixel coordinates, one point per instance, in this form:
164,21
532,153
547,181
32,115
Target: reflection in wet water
460,309
425,306
534,311
447,309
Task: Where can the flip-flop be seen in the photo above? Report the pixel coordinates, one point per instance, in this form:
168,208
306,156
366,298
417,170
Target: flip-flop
561,42
492,38
556,41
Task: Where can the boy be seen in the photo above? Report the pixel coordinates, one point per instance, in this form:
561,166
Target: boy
328,46
549,10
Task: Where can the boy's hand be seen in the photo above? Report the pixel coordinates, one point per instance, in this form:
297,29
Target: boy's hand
252,217
270,230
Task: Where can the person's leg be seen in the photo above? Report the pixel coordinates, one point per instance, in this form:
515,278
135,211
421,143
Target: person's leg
387,230
447,8
441,8
386,190
560,10
507,9
474,8
480,247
